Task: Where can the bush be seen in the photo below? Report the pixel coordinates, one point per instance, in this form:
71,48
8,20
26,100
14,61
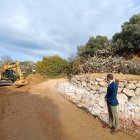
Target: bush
73,66
53,66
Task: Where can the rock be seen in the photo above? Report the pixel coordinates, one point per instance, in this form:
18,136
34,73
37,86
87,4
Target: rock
88,89
85,100
120,90
73,80
92,91
94,87
99,79
102,90
138,85
96,83
121,85
103,84
122,98
79,84
86,92
123,81
102,102
137,92
91,78
76,77
73,83
91,97
92,82
131,86
83,78
135,100
84,84
129,92
89,85
133,82
87,79
76,97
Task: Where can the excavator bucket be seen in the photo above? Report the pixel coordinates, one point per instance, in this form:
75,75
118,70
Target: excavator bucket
20,83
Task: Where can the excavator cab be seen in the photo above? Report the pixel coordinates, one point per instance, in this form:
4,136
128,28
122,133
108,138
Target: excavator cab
10,74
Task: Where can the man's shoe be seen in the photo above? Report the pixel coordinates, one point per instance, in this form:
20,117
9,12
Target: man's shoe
112,127
115,131
107,126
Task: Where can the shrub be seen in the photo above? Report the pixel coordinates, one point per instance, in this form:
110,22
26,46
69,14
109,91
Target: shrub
53,66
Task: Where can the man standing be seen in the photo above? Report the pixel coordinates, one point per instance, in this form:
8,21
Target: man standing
112,103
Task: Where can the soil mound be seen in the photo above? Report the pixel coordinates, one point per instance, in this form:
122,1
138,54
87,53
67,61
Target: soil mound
35,79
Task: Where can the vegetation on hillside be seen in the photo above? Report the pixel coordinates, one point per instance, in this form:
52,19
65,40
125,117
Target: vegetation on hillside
102,55
73,66
53,66
125,43
128,39
92,46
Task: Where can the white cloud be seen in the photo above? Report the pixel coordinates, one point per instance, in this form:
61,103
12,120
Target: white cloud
48,27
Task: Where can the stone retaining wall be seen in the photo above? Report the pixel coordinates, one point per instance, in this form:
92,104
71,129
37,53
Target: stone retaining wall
127,89
89,92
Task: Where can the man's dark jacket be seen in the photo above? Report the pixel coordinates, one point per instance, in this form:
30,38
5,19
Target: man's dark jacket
111,94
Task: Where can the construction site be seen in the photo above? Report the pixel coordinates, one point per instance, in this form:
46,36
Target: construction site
69,70
34,109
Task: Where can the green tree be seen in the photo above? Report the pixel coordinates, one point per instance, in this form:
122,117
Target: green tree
129,38
92,46
53,66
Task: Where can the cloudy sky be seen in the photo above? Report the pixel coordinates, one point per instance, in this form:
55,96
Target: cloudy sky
31,29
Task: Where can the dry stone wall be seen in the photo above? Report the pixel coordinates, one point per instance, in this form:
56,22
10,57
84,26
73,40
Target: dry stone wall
89,92
98,85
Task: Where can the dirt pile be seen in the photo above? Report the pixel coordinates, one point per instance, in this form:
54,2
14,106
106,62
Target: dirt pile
35,79
32,79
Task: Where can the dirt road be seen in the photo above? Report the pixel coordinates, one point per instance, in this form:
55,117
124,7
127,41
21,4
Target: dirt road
42,114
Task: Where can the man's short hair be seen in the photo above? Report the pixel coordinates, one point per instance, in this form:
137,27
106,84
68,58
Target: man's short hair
110,76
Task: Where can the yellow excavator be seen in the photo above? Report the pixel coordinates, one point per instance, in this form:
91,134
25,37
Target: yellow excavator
12,75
